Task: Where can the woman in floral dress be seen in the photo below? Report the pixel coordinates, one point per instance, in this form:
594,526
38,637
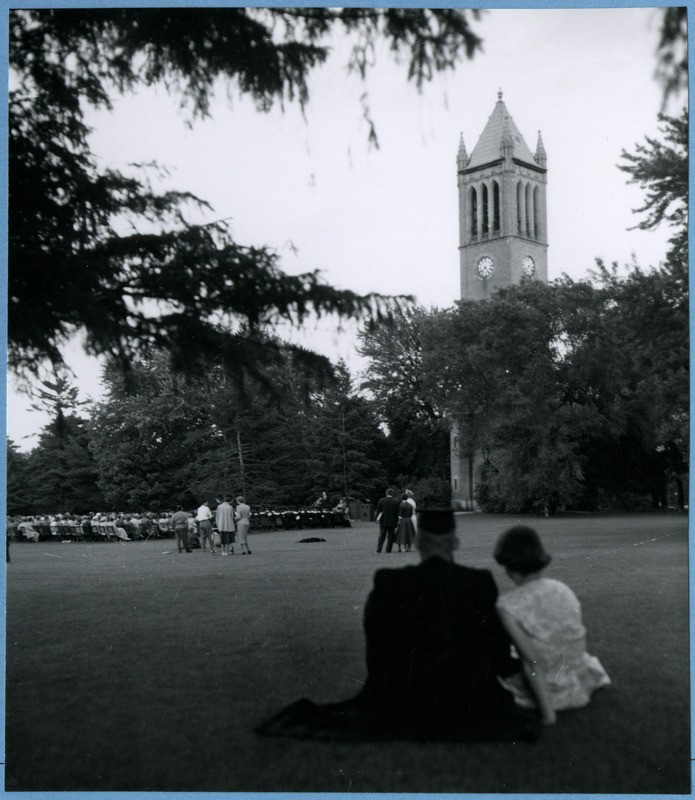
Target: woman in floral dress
544,620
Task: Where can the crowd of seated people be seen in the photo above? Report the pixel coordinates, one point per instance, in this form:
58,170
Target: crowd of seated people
83,527
128,527
285,519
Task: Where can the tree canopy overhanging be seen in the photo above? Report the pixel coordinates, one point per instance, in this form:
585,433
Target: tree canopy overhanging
660,167
190,289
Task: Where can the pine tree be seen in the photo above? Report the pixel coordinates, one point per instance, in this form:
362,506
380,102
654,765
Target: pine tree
166,283
61,474
18,499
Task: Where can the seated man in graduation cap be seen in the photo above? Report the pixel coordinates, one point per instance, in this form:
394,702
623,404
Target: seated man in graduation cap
434,649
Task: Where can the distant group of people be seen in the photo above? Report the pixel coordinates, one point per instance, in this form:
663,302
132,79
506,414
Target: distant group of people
231,521
192,529
133,526
397,521
448,658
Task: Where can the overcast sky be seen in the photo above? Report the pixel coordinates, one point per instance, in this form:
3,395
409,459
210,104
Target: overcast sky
385,220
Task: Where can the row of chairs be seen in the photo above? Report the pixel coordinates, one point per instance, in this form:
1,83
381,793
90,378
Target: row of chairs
107,531
86,532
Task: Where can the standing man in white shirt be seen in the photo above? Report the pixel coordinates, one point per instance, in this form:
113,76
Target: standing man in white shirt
204,519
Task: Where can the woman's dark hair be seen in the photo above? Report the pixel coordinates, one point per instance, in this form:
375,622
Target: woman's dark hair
404,496
520,550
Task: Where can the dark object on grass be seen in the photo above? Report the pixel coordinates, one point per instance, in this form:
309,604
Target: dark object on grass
311,539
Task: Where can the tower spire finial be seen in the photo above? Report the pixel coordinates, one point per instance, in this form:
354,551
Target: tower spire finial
499,95
540,154
462,156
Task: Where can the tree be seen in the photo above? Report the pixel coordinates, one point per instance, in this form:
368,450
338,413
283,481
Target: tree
143,433
661,169
167,439
60,472
501,364
638,345
344,441
416,447
18,473
255,436
657,303
165,283
672,55
63,475
576,393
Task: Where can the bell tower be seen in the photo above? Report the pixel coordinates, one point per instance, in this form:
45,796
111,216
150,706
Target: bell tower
503,239
503,232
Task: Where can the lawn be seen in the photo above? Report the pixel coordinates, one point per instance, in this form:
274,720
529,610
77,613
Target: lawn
131,667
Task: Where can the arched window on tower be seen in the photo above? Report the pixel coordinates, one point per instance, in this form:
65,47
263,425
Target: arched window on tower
536,215
495,207
528,226
486,211
474,213
519,207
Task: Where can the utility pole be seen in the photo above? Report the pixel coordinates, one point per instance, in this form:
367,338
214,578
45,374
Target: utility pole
241,463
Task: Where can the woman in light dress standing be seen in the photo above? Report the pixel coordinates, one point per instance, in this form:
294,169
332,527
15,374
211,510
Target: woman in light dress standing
243,522
410,498
405,533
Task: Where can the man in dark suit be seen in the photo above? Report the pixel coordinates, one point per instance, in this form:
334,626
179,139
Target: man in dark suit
387,517
435,647
435,644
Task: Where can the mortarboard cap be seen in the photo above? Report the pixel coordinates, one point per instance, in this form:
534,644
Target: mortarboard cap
437,521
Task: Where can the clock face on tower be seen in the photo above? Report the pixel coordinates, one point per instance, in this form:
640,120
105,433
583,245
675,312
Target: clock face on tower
528,266
486,266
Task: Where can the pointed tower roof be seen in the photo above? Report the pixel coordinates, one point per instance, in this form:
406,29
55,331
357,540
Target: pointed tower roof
500,130
462,156
540,156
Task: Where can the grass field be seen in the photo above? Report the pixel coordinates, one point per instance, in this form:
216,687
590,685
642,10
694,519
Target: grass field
131,667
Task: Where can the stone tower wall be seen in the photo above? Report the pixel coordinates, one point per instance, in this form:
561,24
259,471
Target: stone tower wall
501,157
